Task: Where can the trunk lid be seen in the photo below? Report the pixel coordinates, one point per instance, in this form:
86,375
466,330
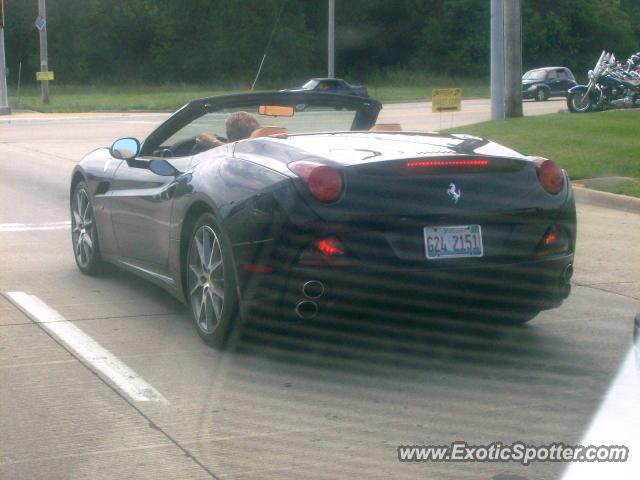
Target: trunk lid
411,175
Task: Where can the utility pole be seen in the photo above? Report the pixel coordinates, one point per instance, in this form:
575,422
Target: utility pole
497,60
44,56
513,58
330,40
4,100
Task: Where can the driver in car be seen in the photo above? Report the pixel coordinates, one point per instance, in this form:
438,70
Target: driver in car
239,126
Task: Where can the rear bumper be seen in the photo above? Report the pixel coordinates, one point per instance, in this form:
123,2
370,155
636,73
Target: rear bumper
532,285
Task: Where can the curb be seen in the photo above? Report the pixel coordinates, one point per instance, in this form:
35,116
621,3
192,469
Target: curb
606,199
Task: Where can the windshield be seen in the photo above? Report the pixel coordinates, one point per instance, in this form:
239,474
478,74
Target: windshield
307,119
310,85
206,125
535,75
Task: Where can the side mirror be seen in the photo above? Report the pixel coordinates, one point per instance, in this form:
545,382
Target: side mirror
163,168
125,148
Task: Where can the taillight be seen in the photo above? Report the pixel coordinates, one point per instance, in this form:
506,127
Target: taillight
329,246
323,182
550,175
550,238
554,241
327,251
447,163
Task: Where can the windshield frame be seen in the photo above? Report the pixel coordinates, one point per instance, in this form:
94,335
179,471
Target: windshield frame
366,110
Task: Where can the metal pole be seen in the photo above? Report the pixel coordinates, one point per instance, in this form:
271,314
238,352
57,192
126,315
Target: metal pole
513,58
19,81
4,100
330,40
497,60
44,56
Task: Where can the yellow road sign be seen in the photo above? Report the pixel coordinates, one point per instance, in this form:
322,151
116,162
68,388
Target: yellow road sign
44,76
446,100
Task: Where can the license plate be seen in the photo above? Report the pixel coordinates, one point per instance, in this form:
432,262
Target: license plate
453,242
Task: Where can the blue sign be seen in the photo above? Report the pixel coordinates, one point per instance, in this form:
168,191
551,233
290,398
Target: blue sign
40,23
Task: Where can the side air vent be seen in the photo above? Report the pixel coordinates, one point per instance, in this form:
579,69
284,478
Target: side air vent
103,187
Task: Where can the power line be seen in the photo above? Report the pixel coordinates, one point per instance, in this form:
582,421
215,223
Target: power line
266,49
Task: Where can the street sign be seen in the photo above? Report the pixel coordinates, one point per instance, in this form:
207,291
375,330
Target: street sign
44,75
446,100
40,23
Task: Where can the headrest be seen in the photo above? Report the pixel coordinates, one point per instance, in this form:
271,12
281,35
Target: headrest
268,132
386,127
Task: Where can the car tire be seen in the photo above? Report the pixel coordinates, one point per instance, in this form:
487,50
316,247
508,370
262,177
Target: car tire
542,95
84,234
211,282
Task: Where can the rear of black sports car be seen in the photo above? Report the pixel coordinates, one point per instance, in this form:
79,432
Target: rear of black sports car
365,220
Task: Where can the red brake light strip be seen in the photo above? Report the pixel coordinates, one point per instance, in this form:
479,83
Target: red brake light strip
448,163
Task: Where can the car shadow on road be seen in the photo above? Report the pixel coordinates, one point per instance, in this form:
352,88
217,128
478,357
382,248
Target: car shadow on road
398,342
394,341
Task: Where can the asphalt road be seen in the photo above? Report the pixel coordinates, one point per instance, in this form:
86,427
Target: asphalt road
329,401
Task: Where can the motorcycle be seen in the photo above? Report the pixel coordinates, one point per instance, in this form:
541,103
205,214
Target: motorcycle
633,63
611,85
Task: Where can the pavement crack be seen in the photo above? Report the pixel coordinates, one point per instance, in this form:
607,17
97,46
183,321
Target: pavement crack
40,152
594,287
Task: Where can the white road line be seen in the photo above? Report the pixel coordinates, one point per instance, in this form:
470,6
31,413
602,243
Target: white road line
101,360
28,227
617,422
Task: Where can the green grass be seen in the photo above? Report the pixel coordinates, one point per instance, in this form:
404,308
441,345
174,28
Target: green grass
399,85
387,94
625,187
78,98
587,145
73,98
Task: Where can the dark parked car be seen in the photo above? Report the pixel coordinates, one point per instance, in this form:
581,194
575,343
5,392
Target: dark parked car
331,85
543,83
292,220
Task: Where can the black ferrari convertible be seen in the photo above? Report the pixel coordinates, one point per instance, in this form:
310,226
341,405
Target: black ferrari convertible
321,208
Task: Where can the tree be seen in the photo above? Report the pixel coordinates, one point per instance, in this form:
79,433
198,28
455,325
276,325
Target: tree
222,42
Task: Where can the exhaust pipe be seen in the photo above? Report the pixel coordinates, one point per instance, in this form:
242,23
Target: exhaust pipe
313,289
565,281
567,273
306,309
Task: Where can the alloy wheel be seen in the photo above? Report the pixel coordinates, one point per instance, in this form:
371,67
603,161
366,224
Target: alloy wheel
82,228
206,279
581,102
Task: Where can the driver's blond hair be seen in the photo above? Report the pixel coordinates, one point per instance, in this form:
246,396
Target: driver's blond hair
240,125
